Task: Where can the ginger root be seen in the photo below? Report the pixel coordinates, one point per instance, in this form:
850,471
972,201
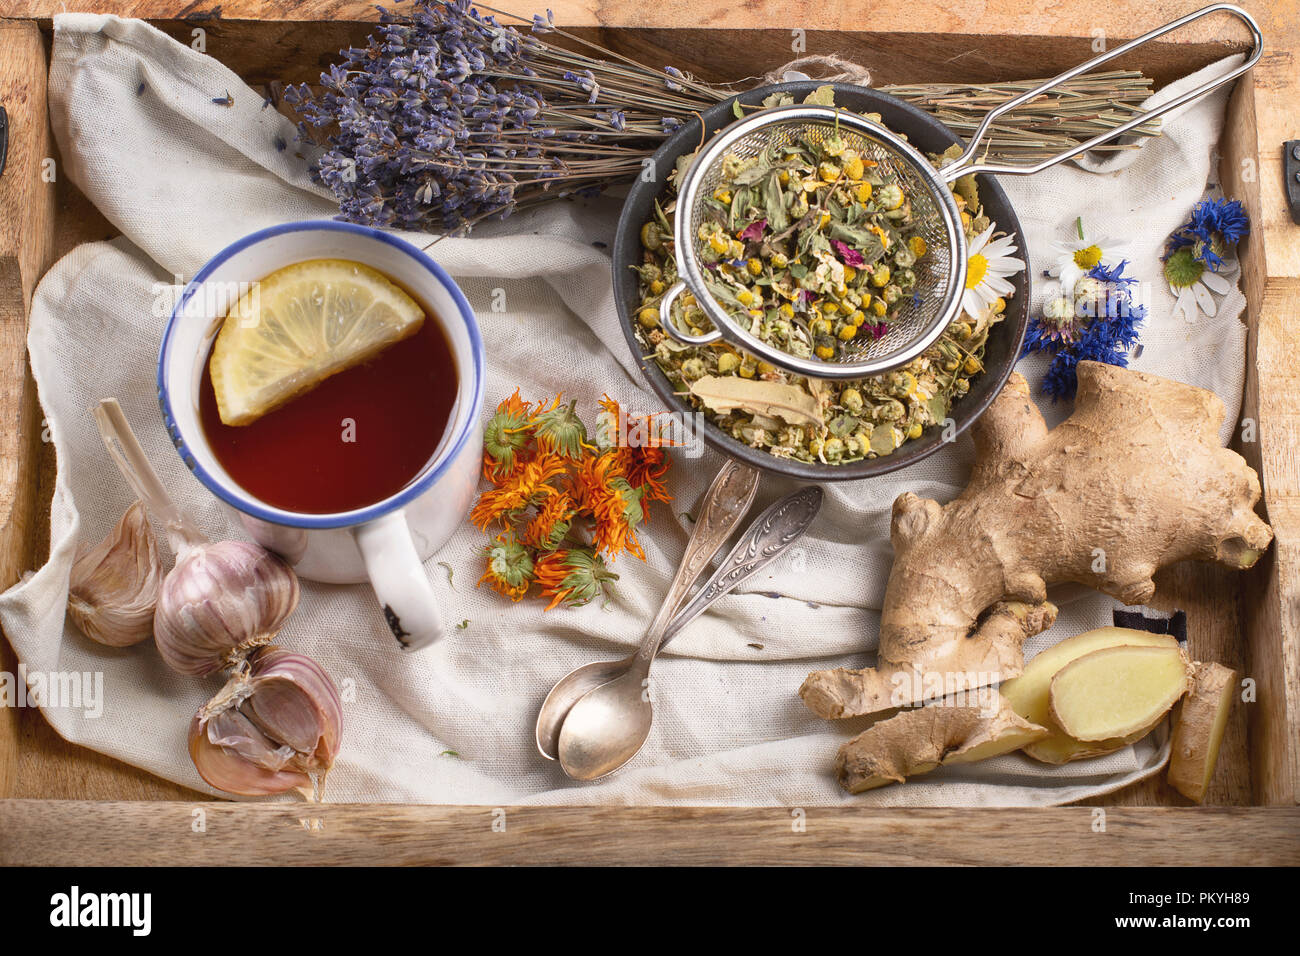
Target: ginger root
1199,730
1118,691
984,659
916,741
1028,694
1132,481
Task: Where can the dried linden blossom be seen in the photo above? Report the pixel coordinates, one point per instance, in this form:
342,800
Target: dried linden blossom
820,292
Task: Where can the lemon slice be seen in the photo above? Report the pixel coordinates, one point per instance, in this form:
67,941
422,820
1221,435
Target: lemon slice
300,325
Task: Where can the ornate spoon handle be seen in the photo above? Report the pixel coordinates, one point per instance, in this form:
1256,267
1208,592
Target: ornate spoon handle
768,538
725,504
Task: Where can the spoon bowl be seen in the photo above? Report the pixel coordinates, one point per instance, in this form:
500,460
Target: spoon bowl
570,689
608,727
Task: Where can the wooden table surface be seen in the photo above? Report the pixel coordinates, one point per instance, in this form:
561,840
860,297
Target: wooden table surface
43,766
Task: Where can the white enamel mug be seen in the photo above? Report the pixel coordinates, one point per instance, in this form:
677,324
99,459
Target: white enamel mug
387,542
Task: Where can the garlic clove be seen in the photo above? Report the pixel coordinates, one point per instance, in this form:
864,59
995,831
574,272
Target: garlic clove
228,755
282,711
277,721
115,584
295,702
219,602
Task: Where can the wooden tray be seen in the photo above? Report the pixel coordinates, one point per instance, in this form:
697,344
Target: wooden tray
62,804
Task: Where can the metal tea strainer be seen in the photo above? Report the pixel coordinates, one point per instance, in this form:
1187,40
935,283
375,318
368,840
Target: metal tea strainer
941,273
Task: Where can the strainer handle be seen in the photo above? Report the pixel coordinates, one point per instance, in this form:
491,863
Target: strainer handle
667,324
964,164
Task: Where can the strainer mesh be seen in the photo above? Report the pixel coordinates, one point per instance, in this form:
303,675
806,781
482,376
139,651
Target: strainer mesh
923,303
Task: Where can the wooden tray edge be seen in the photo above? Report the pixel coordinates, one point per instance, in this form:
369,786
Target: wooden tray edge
54,833
1260,117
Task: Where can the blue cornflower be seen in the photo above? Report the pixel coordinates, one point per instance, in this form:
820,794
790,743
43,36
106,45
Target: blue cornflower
1214,226
1227,217
1061,379
1102,329
1111,275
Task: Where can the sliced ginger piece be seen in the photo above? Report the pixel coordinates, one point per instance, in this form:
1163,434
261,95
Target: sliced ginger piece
1028,694
1117,691
300,325
1058,747
1199,729
914,742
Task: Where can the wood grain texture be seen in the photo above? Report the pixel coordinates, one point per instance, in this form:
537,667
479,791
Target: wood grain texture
82,833
26,227
295,52
1050,18
1260,117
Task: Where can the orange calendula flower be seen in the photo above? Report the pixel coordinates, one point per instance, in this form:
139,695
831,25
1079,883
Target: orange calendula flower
594,472
645,468
509,568
572,577
615,430
552,522
559,430
618,511
526,485
637,448
505,436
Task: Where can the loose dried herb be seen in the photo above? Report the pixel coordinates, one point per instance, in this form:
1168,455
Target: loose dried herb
795,290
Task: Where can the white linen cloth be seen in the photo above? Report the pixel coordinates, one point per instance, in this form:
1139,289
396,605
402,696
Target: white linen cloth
182,176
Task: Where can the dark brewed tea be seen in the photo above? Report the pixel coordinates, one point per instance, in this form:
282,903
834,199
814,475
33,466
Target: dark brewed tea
353,440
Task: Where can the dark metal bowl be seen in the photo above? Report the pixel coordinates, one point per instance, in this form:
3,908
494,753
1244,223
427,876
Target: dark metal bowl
924,132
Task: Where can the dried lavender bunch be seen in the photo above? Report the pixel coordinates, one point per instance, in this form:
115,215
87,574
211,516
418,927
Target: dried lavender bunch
448,117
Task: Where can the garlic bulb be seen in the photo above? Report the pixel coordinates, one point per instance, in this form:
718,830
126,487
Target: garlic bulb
221,600
115,584
275,725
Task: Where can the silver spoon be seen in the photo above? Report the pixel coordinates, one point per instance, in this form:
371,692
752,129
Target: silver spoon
607,727
725,503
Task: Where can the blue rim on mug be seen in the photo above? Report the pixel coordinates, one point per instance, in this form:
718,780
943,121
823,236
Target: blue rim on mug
247,503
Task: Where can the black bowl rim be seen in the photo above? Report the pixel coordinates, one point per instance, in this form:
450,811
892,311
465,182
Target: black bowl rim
627,247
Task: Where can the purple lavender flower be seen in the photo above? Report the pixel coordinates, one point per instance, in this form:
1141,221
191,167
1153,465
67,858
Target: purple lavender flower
446,117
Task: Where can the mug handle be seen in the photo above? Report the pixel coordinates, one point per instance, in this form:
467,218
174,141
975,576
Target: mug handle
398,579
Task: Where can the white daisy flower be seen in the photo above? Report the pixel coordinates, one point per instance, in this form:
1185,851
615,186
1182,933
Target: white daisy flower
1191,285
1072,260
988,265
